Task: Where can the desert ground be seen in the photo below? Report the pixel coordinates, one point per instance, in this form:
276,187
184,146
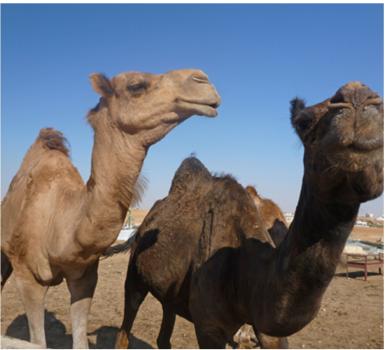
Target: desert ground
351,315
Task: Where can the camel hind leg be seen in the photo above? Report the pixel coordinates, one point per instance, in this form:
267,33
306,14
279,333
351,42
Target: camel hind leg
135,292
6,269
168,322
210,337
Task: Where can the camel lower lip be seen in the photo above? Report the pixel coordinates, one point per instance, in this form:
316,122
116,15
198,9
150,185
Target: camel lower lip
206,109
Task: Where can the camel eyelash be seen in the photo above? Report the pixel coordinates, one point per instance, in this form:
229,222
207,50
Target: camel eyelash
137,87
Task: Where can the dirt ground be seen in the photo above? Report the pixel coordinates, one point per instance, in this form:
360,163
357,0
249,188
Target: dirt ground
351,314
371,234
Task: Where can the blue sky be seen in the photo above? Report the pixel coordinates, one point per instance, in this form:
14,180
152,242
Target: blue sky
258,56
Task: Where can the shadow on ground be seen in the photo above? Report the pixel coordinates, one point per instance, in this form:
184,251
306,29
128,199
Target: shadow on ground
55,331
105,339
58,338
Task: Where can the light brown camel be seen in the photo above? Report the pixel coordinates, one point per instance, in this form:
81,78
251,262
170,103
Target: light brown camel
271,215
54,226
203,251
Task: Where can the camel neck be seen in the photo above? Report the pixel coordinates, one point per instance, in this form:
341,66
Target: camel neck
305,262
318,234
116,163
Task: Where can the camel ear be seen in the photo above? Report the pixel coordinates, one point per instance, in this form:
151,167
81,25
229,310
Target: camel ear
101,84
296,106
301,119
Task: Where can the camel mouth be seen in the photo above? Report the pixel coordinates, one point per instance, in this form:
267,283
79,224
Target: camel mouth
359,130
204,108
356,159
214,105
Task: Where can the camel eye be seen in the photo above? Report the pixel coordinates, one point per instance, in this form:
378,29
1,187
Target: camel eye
137,88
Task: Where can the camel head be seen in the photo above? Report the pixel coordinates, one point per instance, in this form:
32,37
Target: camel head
254,195
149,105
343,141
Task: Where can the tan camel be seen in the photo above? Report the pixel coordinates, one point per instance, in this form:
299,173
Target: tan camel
203,253
271,215
54,226
268,210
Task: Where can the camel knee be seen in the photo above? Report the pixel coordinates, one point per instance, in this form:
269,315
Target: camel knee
268,342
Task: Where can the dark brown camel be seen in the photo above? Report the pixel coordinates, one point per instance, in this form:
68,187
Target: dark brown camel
204,252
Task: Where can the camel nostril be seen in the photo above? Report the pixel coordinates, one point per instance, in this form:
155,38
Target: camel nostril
354,93
338,97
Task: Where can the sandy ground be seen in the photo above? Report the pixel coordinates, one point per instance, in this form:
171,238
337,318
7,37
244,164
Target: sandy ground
138,216
371,234
351,315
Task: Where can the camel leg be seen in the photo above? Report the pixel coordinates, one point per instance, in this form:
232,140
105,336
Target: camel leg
210,338
268,342
6,269
82,291
166,328
33,295
135,292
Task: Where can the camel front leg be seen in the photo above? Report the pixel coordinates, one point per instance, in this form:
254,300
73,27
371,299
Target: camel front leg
82,290
33,295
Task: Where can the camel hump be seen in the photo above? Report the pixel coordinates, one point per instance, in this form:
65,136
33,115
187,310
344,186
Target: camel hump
190,172
53,139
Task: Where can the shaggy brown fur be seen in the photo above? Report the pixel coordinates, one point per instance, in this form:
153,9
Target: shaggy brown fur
204,252
55,227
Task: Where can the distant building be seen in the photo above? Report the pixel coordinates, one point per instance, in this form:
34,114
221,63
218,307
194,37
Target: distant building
369,215
361,223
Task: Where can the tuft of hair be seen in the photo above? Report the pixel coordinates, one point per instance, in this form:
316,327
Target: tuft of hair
139,188
53,139
296,106
223,175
